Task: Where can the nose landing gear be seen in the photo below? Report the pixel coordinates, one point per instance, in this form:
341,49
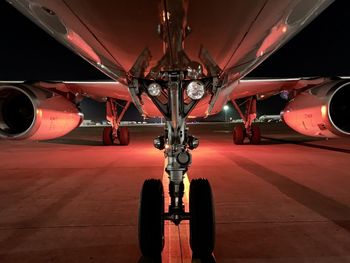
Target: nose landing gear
177,145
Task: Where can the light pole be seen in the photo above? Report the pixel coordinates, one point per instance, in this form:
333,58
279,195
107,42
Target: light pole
225,110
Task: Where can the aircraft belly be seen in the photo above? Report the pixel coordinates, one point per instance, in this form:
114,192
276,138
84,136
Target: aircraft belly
125,28
111,34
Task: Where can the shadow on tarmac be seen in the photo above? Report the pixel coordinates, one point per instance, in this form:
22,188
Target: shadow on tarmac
75,142
305,143
318,202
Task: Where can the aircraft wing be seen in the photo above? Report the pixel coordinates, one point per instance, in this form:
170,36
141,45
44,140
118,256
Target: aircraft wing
97,90
264,88
260,87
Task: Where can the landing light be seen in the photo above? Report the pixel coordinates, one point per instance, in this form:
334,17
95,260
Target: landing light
154,89
195,90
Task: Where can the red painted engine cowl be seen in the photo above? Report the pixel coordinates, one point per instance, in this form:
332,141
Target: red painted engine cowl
33,113
323,111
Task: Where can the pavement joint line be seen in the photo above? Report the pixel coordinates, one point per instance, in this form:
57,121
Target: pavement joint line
276,222
182,229
66,226
184,224
180,243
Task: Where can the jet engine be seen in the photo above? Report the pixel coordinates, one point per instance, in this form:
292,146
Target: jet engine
33,113
323,111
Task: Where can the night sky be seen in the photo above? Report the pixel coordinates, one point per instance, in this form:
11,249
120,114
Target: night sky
28,53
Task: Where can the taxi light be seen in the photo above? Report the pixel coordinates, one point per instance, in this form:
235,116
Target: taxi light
195,90
154,89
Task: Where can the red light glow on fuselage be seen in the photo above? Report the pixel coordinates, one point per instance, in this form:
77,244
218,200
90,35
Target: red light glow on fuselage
274,37
78,42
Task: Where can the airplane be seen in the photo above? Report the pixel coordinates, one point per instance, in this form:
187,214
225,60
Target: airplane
175,59
270,118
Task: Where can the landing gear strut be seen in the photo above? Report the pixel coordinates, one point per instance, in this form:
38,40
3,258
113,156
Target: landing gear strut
248,129
177,144
115,133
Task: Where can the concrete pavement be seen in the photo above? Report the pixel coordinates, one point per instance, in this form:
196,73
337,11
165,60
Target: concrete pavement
73,200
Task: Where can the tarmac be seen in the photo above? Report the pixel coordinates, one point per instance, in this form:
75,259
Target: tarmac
74,200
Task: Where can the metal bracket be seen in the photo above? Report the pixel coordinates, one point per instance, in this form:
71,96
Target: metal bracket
176,218
141,64
209,63
135,95
217,86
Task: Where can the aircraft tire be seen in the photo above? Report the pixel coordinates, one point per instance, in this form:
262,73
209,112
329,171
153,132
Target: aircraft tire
124,135
151,221
238,134
202,218
107,136
255,137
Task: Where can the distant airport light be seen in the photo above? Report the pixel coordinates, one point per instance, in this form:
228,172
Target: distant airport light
154,89
225,108
195,90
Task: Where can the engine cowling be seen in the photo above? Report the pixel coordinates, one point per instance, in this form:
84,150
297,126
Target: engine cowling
323,111
33,113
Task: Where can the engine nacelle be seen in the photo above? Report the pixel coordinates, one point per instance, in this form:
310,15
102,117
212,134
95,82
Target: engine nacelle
323,111
34,113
